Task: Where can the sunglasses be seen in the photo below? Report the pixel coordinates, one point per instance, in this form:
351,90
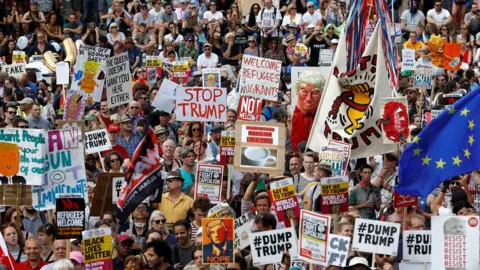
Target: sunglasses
134,107
456,183
23,126
381,255
113,27
251,41
310,6
114,160
195,129
109,220
10,112
160,220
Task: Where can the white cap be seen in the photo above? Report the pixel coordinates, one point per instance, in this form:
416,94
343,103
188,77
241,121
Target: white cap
311,26
358,261
334,41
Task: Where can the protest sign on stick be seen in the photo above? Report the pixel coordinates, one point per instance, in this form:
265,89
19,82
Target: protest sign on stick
242,230
14,69
218,232
268,246
417,246
103,193
423,78
209,182
455,242
97,249
259,146
285,199
97,141
337,252
249,109
70,213
74,106
119,80
117,183
201,104
18,57
227,147
260,77
408,59
404,200
375,236
314,230
334,194
62,72
211,77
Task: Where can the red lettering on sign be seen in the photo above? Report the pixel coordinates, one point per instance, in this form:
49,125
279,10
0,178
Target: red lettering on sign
260,140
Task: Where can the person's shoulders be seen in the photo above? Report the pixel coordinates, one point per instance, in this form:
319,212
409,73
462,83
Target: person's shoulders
430,12
405,14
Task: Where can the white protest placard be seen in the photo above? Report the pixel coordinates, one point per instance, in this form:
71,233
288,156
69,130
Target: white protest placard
119,81
337,251
18,57
297,264
374,236
14,69
201,104
314,230
268,246
165,98
242,230
417,246
87,72
97,141
151,75
326,57
408,59
455,243
117,183
423,78
35,58
260,77
209,182
62,71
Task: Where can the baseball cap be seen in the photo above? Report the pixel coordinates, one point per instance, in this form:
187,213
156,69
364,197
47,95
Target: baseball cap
160,129
188,38
113,128
174,175
355,261
163,113
77,256
217,129
124,118
334,41
207,45
25,101
124,237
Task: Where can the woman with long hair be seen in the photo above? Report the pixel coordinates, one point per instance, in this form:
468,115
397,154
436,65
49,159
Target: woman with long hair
134,7
194,132
52,30
117,15
8,53
234,14
46,234
250,24
14,240
291,17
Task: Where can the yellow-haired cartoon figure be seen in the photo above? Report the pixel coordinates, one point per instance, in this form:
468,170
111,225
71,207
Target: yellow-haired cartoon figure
211,80
88,83
10,164
436,44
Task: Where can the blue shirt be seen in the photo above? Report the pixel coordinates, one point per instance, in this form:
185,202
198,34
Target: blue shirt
188,179
132,54
289,68
131,144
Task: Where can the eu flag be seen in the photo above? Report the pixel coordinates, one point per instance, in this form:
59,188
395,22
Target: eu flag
448,146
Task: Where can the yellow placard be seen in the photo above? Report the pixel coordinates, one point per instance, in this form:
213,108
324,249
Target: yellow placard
300,48
153,63
97,248
18,57
227,141
333,189
283,192
180,66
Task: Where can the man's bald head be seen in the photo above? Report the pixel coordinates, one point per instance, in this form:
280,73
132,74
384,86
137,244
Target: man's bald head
133,108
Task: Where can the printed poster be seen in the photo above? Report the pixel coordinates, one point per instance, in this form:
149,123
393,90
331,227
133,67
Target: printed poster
211,77
117,183
285,199
337,251
375,236
119,80
218,232
88,75
201,104
394,119
97,141
97,249
70,216
334,194
208,182
74,107
423,78
249,109
268,246
336,154
455,245
227,147
417,246
313,232
242,230
260,77
259,146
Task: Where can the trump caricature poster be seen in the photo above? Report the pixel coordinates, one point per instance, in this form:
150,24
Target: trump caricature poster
217,236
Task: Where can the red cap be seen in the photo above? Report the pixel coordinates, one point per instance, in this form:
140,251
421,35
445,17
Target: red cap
113,128
124,237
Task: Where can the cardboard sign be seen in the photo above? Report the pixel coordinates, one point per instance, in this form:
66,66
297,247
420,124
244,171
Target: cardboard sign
14,69
74,106
334,194
16,194
453,50
408,59
97,141
217,232
394,120
103,193
153,61
89,74
211,77
70,213
423,78
337,251
260,77
285,198
208,182
404,200
259,146
201,104
117,183
249,109
227,147
417,246
455,242
314,230
18,57
97,249
374,236
268,246
119,80
242,230
62,72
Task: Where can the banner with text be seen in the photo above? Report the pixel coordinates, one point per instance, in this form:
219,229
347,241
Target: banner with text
417,246
14,69
314,230
260,77
97,249
201,104
337,251
243,230
227,147
249,109
217,240
285,199
97,141
334,192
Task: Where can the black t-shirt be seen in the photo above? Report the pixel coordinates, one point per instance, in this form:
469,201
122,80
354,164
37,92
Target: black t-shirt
35,51
3,27
234,51
315,47
8,56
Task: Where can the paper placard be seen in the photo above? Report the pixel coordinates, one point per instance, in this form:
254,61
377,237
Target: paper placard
374,236
314,231
249,109
334,194
201,104
417,246
62,71
18,57
117,183
268,246
70,216
260,77
208,182
73,106
222,230
119,81
97,248
153,61
337,252
227,147
243,231
14,69
326,57
211,77
408,59
97,141
423,78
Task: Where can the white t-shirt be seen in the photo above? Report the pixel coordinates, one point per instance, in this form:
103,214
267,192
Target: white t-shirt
412,22
207,62
439,17
267,19
311,18
155,14
297,20
170,38
210,16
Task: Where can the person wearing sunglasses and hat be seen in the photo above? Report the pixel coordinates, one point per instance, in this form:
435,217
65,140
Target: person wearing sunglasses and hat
161,133
208,59
128,138
175,204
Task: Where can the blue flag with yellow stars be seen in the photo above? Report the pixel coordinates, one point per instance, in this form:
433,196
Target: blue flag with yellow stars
448,146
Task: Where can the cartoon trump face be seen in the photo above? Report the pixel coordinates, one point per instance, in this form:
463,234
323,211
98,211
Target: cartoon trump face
9,159
309,88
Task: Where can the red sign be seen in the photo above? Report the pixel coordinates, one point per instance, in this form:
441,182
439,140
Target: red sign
249,109
404,200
